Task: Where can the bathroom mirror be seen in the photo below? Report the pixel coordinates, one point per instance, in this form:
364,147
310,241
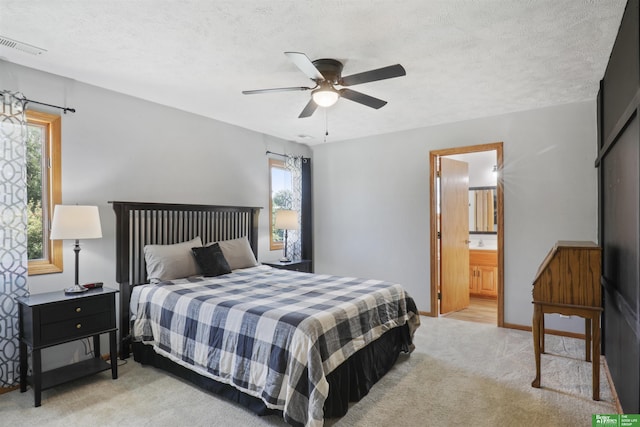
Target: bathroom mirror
483,218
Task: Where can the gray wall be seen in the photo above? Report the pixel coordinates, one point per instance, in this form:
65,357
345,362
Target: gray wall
116,147
371,199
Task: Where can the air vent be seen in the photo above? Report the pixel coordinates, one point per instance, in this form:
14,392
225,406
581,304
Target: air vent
24,47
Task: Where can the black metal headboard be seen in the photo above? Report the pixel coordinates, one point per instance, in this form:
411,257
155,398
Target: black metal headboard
139,224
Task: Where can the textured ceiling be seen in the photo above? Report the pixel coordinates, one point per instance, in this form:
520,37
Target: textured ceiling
464,58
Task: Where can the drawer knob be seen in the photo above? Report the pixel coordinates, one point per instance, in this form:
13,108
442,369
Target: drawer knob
79,325
78,309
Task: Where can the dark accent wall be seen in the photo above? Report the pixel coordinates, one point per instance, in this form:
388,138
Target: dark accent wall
619,206
306,213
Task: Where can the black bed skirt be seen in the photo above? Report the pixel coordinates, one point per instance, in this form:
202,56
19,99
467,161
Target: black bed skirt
349,382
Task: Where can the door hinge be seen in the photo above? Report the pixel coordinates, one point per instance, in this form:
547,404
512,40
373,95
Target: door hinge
438,234
439,295
437,174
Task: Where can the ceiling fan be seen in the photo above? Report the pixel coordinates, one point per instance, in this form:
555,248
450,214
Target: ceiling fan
326,74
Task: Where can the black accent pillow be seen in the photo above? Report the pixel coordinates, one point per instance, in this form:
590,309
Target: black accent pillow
211,260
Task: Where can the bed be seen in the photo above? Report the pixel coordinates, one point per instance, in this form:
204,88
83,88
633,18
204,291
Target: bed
275,341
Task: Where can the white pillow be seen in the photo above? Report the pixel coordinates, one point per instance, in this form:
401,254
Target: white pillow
168,262
238,253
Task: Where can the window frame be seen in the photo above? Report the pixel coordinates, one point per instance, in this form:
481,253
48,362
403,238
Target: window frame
53,162
273,163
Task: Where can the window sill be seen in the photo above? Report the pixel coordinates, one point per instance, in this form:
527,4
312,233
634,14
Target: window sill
43,267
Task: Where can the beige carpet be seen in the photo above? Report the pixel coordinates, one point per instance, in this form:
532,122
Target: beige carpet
462,373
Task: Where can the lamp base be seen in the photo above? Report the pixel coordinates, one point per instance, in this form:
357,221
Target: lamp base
75,289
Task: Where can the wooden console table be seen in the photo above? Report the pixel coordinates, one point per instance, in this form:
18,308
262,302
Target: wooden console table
568,282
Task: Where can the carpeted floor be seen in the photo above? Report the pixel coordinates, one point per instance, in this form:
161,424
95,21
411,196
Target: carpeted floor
461,373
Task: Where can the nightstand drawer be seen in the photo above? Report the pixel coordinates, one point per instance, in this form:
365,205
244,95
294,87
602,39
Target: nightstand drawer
73,328
54,313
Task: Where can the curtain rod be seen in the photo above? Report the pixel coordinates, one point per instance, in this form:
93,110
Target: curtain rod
277,154
285,155
65,109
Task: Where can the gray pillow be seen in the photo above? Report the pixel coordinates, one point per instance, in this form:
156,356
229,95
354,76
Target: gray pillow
168,262
238,253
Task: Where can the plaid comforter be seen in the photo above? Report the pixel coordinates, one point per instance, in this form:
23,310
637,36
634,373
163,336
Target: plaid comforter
273,334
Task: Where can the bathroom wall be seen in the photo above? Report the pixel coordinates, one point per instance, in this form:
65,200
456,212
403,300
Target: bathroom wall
481,174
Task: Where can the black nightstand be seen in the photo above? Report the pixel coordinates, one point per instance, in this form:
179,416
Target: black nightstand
54,318
303,265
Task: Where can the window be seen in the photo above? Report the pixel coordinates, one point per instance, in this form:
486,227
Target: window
43,191
281,194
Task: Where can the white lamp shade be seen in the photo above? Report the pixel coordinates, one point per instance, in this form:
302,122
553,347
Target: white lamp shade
75,222
287,220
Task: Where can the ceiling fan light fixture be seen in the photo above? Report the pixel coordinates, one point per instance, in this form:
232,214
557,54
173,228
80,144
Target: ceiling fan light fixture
326,96
327,72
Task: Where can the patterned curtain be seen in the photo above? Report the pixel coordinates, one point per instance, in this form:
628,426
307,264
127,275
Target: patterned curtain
294,165
13,229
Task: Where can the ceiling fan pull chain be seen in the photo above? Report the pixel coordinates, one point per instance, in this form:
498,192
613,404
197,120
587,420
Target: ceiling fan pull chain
326,124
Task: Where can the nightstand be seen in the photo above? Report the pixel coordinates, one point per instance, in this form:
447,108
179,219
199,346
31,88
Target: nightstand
55,318
303,265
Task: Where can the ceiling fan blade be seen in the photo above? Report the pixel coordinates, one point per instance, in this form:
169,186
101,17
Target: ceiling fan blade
363,99
308,109
371,76
280,89
306,66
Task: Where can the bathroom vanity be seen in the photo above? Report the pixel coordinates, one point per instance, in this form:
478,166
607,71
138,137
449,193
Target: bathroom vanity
483,272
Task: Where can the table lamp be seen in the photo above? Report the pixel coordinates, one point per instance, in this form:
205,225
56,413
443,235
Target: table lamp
73,222
286,220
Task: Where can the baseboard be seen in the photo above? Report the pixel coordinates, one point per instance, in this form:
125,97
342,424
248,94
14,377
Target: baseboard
4,390
614,394
426,313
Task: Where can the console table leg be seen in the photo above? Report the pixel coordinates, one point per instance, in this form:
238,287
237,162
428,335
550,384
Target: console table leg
587,338
537,335
541,330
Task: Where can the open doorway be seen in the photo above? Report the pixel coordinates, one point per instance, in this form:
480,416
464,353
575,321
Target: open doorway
467,255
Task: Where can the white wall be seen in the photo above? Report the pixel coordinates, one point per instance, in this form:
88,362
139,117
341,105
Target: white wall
481,165
371,199
116,147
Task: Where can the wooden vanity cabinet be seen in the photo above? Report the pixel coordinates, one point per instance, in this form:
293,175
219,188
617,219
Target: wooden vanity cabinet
483,273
